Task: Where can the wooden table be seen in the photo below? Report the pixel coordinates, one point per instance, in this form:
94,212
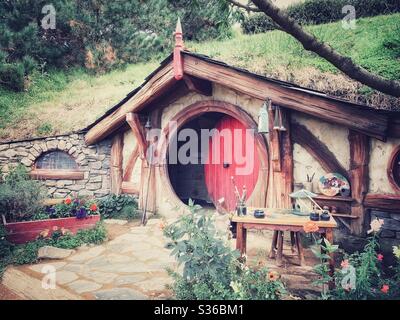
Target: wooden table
280,221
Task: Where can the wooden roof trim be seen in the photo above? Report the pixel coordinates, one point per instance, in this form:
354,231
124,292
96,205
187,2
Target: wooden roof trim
358,118
153,88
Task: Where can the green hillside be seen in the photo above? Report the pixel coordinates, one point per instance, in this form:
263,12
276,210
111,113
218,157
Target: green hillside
59,102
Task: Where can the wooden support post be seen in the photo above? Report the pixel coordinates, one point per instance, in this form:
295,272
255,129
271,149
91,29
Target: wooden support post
134,122
359,177
274,142
116,163
131,163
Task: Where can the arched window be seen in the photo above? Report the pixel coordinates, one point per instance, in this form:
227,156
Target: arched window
56,164
394,169
56,160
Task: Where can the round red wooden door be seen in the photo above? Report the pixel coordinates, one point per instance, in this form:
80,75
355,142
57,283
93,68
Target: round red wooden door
232,152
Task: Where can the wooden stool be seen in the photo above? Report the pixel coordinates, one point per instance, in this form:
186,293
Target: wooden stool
277,246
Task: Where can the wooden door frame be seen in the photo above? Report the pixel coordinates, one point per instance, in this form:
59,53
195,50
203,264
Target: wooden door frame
197,109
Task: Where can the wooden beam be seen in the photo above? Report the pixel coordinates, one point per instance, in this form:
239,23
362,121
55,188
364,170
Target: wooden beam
203,87
387,202
134,123
317,149
359,177
63,174
129,187
157,85
356,117
274,142
282,180
116,163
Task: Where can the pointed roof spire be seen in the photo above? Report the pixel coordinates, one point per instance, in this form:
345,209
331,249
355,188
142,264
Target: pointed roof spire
178,34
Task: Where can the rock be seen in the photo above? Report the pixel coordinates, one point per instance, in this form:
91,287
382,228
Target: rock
49,252
81,286
120,294
4,147
63,277
391,224
116,221
387,234
100,277
93,186
395,216
154,284
88,254
72,150
26,162
62,144
122,280
39,267
52,144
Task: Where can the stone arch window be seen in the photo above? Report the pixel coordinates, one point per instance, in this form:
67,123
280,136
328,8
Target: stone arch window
56,164
394,169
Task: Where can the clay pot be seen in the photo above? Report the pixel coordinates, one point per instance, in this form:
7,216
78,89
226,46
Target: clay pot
314,216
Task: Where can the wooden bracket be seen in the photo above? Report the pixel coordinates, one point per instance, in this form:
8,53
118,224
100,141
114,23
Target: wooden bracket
200,86
116,163
138,131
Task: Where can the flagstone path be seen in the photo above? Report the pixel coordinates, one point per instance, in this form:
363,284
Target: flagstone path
131,265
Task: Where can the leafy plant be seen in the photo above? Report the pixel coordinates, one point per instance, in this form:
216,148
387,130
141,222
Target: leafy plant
211,269
118,207
28,253
19,195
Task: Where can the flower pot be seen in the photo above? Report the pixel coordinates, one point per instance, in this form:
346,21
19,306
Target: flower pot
25,231
308,186
314,216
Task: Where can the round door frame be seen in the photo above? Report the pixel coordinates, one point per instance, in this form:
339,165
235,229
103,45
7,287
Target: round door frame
199,108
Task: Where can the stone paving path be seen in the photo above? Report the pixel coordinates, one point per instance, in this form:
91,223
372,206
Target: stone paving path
131,266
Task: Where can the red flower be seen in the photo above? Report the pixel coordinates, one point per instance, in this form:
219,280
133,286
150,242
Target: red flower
93,207
385,288
380,257
68,201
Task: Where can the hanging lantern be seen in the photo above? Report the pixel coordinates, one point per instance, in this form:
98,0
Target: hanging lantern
263,119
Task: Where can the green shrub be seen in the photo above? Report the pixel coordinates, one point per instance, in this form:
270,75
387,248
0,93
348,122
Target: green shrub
19,195
5,246
12,76
211,269
118,207
321,11
371,280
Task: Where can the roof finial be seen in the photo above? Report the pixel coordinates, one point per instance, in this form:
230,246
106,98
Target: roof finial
178,34
178,59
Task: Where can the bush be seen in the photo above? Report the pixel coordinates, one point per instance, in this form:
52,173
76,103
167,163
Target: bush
19,195
211,269
5,246
118,207
321,11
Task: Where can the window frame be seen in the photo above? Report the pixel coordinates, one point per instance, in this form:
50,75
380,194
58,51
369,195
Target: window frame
56,174
395,184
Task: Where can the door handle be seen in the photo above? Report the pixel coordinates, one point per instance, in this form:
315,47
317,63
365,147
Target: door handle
226,165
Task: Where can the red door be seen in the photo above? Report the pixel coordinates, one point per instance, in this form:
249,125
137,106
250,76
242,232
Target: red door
233,156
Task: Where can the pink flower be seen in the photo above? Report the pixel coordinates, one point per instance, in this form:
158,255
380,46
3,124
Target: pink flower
385,288
345,264
380,257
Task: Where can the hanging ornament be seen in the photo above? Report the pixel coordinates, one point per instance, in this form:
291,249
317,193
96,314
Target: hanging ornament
263,118
278,119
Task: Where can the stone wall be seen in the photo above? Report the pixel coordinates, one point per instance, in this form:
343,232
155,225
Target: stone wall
93,160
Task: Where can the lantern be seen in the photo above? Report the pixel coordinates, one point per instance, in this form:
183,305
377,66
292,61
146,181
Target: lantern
263,119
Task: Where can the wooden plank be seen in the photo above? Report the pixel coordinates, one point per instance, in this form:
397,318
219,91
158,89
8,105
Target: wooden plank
151,90
386,202
57,174
317,149
347,114
276,217
200,86
359,177
129,187
137,129
116,163
274,142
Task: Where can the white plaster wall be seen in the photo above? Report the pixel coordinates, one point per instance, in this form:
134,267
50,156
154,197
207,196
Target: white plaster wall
379,159
333,136
303,164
